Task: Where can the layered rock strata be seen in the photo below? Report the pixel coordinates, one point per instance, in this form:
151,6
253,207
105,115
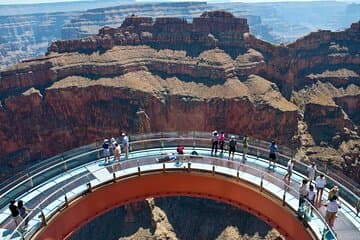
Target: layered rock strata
208,74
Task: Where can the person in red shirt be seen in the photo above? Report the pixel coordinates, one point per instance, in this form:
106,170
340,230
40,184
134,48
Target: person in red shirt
180,149
221,141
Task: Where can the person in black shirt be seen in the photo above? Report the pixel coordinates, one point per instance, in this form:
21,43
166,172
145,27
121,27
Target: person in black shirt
15,213
232,147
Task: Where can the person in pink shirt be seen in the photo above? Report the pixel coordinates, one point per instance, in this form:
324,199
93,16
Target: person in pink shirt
221,141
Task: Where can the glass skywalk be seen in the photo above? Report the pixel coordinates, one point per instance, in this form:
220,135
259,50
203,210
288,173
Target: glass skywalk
52,184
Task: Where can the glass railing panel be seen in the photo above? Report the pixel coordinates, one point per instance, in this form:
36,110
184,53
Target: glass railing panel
202,140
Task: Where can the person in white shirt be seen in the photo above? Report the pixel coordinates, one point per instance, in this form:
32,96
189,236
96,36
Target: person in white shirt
311,172
303,192
320,183
332,207
311,197
117,152
290,167
125,145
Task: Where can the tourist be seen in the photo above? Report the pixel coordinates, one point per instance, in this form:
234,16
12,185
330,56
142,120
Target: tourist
112,146
311,172
320,183
180,149
125,144
333,192
272,154
23,212
290,167
332,207
221,141
106,150
15,213
168,157
214,142
245,147
303,192
232,147
311,197
117,152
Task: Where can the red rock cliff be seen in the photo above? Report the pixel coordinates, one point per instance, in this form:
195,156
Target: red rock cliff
205,75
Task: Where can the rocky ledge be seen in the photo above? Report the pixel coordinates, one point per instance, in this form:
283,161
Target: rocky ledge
208,74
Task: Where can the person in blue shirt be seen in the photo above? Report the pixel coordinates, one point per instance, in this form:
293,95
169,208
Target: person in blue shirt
168,157
272,154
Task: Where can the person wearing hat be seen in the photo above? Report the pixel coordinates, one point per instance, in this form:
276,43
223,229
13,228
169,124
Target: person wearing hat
125,145
106,150
232,147
214,142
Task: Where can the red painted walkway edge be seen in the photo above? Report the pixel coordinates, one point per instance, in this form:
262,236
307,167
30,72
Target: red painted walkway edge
220,188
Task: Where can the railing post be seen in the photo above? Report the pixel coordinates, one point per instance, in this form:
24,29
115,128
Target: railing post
66,201
283,200
189,166
237,175
89,187
139,170
65,166
213,169
163,167
162,144
43,218
31,182
257,154
261,183
114,177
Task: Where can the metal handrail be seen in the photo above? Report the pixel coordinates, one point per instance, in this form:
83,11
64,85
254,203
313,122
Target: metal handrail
213,160
161,137
354,196
34,169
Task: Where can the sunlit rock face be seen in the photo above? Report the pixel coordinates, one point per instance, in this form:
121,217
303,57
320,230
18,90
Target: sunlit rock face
204,75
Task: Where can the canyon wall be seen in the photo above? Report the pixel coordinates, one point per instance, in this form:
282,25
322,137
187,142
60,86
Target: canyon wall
209,74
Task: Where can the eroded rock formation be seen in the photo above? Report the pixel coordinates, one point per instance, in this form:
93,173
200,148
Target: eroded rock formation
167,74
178,218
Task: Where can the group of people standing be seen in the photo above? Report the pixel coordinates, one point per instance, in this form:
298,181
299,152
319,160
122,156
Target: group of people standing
307,192
218,142
112,147
19,213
